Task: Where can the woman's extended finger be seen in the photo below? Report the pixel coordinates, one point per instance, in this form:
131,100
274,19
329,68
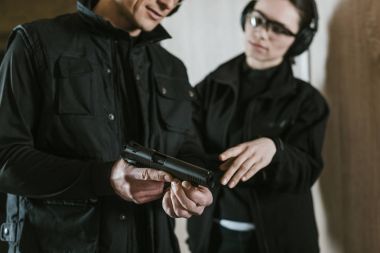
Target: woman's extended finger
244,168
235,166
232,152
250,173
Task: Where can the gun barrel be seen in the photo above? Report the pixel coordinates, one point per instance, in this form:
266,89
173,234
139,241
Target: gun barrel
138,155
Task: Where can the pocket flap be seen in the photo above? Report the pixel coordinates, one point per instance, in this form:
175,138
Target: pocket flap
174,102
72,66
174,88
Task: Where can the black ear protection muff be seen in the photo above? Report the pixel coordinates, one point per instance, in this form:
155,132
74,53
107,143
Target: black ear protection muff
304,37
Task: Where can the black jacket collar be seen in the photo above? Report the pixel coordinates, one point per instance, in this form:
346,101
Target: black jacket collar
281,85
100,25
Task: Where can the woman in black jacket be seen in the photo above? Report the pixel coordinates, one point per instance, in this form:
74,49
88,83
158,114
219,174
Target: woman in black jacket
264,129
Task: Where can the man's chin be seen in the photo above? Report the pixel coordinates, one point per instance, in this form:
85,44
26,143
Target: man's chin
149,27
143,28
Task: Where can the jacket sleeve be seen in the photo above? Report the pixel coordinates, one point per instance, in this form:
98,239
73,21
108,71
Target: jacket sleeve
298,162
196,141
25,170
192,149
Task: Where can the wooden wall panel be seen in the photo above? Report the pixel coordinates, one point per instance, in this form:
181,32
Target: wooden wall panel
350,184
13,12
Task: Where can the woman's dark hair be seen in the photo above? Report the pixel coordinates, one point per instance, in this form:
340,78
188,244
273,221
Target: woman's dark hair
306,9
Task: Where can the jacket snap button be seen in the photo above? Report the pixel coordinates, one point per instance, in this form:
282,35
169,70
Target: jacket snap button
111,116
191,93
164,91
6,231
108,71
93,201
138,77
123,217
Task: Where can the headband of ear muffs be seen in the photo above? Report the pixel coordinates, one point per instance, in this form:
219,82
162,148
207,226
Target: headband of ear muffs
304,36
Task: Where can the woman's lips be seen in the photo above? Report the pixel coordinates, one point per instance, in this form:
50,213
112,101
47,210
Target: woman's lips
258,46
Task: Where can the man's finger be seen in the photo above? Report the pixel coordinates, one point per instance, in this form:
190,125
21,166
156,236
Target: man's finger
150,174
167,205
145,186
151,190
201,195
178,208
147,198
184,200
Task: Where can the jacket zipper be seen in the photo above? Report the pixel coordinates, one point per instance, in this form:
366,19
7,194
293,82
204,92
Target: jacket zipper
264,244
116,93
255,204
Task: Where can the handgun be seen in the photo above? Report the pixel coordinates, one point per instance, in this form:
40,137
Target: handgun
140,156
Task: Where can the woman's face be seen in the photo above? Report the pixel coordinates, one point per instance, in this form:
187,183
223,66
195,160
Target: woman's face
269,32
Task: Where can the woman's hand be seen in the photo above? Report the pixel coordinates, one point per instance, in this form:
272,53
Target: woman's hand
244,160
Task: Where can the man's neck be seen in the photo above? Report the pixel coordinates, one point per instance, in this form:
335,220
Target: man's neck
110,11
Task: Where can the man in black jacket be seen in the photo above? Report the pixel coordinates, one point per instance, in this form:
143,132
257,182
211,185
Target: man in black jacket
73,90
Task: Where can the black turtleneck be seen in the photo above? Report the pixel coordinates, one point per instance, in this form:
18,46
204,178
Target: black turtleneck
252,83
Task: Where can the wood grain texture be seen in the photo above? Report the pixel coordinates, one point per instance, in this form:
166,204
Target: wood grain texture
350,183
14,12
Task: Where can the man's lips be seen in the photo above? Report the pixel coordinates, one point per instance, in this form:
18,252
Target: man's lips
155,15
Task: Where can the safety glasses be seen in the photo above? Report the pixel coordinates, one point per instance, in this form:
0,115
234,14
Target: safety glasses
258,19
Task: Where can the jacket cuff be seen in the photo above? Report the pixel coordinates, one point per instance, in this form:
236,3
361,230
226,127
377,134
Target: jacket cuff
100,175
279,149
266,172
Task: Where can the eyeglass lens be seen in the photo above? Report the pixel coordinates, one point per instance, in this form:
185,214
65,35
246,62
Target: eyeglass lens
257,20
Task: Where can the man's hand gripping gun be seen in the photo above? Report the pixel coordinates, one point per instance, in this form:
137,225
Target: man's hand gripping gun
139,156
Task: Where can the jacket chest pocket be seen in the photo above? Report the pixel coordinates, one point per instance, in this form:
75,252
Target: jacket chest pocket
268,119
174,103
74,86
270,127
